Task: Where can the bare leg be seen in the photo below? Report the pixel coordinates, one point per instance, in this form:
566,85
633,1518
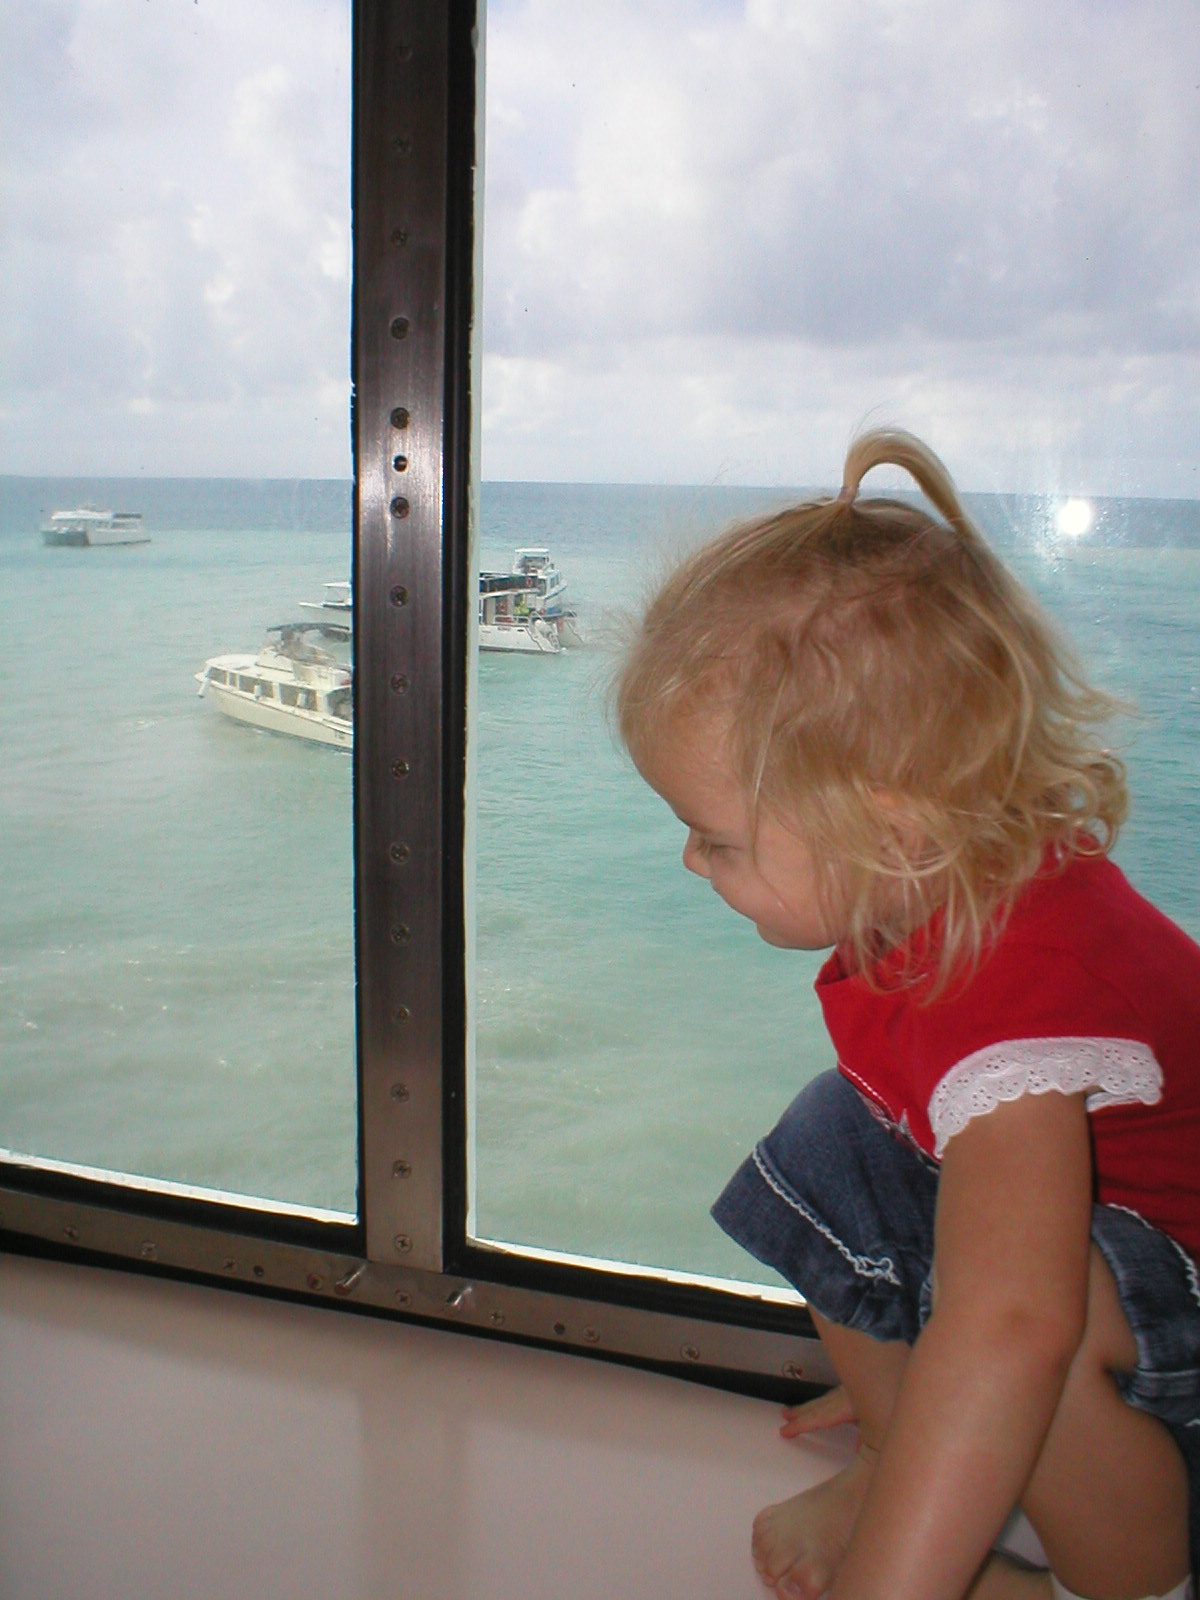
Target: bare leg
1109,1494
798,1545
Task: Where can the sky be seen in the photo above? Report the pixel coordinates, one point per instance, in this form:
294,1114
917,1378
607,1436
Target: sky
719,237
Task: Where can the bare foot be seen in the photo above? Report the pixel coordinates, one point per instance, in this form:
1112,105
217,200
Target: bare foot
799,1544
1004,1579
828,1410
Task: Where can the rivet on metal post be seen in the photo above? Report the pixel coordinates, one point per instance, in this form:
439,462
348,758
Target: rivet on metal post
400,327
398,595
399,1091
399,852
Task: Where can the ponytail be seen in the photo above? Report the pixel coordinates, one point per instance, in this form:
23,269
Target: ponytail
893,447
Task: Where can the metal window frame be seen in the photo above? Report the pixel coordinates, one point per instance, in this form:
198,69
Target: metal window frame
417,67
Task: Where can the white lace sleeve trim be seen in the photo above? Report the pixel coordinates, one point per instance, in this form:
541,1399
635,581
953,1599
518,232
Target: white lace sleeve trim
1112,1072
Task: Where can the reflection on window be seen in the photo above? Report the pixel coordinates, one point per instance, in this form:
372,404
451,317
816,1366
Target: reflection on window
175,870
717,241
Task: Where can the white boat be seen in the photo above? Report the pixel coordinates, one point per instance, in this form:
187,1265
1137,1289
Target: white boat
86,526
334,612
524,609
291,686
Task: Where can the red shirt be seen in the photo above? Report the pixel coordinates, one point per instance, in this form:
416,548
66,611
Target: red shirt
1088,988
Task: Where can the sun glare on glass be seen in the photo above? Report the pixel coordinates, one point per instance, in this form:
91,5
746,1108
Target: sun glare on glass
1074,517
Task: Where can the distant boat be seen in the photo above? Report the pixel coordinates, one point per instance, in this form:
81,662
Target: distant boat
334,612
86,527
291,686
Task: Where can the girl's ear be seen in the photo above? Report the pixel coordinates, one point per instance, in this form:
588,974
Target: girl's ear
906,827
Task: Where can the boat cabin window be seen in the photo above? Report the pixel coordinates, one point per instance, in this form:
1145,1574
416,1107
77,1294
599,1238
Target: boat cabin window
499,1052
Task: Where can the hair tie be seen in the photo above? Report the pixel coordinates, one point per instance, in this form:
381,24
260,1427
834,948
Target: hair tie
848,493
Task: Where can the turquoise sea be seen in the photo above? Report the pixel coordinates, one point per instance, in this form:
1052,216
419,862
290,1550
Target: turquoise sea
176,976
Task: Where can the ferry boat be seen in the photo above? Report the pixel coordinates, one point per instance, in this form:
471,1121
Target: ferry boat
291,686
86,526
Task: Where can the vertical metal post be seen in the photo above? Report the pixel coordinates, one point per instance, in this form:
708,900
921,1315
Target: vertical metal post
399,355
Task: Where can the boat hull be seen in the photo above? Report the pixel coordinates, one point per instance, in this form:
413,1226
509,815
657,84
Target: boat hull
315,726
534,637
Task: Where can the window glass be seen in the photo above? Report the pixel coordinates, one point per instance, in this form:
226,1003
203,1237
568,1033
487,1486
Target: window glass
176,984
718,239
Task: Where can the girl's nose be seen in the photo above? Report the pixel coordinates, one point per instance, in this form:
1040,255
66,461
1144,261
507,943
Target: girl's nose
694,858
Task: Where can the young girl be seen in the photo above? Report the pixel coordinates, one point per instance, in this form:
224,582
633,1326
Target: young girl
878,746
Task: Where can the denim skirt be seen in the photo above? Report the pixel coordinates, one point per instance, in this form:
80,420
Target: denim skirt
844,1209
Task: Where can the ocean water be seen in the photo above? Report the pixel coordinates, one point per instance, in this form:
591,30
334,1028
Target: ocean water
176,975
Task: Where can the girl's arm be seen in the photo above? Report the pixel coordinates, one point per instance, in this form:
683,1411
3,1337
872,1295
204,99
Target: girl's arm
986,1374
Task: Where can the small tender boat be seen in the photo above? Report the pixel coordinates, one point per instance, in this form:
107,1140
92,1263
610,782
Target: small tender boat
86,526
291,686
334,612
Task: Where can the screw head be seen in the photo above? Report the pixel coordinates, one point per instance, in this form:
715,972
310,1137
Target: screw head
399,413
400,327
496,1318
401,1169
398,595
399,1091
400,507
792,1370
149,1250
560,1329
400,933
400,769
403,1014
403,1243
314,1282
403,1298
689,1352
399,852
592,1335
402,144
399,683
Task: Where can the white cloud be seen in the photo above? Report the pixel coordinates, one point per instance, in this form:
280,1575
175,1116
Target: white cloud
176,257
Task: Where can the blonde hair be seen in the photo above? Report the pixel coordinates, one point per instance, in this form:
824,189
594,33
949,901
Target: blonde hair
891,693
